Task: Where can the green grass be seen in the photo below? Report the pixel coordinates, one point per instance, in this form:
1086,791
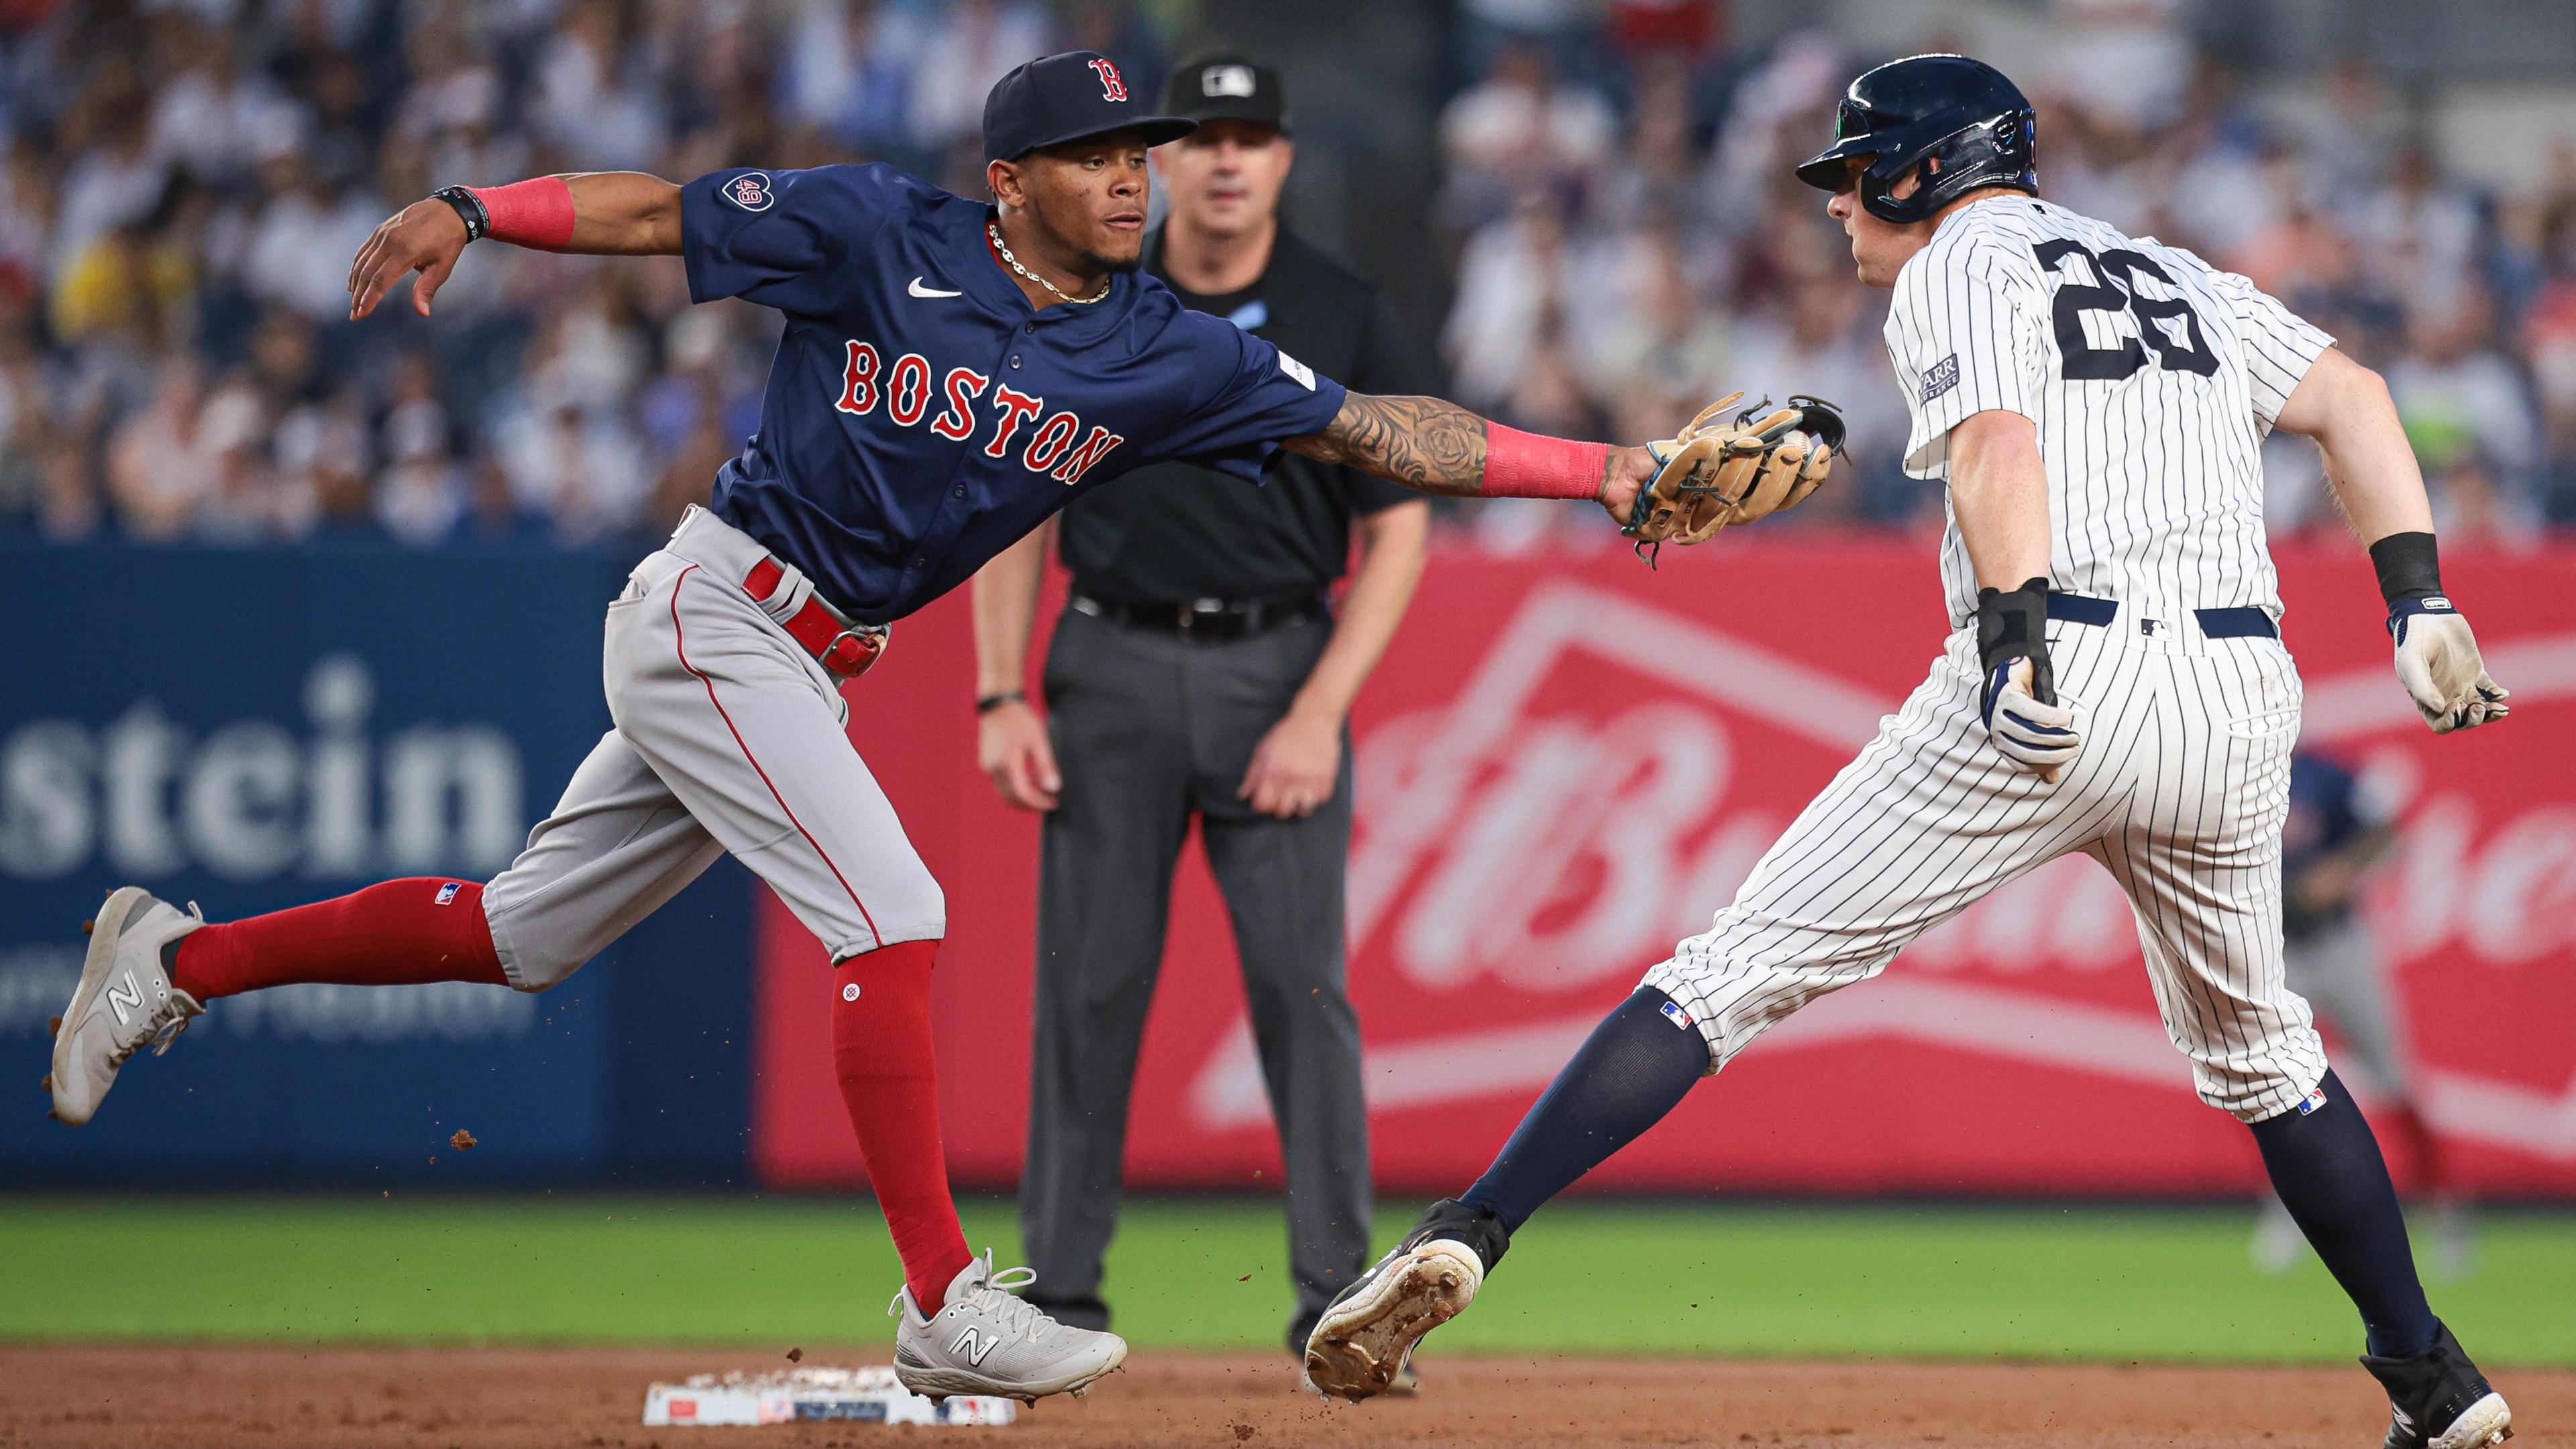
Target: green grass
1823,1281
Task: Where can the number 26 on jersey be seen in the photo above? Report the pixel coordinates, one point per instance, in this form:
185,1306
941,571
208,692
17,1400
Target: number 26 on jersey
2167,327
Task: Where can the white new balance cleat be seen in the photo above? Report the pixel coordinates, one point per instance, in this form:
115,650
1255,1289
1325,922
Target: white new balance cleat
1363,1345
124,1002
986,1340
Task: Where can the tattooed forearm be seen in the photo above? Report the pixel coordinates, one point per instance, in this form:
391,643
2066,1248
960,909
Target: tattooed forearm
1420,442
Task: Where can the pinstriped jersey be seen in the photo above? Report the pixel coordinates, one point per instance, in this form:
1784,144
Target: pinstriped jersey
2152,378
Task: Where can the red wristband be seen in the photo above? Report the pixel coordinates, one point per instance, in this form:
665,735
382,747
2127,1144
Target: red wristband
534,213
1531,465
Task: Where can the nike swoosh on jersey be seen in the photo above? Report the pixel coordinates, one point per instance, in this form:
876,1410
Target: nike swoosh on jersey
918,290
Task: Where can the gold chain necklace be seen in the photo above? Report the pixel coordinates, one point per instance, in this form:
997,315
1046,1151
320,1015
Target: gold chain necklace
1004,248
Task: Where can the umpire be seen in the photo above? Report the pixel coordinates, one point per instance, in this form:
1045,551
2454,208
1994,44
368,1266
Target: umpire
1198,669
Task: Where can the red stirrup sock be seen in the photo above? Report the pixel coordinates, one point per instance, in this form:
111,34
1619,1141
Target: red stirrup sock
397,933
881,1048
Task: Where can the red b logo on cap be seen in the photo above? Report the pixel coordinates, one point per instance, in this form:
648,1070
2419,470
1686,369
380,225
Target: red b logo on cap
1111,87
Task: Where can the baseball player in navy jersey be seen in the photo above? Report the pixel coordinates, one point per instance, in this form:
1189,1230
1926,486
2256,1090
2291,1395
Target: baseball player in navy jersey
2115,685
950,374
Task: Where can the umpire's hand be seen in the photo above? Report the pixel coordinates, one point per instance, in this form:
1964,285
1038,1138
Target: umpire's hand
1011,744
1296,768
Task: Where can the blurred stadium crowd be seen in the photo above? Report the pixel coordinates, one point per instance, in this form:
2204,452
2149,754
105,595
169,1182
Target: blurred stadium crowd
186,182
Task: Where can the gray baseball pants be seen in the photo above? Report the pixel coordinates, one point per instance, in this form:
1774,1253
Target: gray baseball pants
1149,730
728,737
2340,972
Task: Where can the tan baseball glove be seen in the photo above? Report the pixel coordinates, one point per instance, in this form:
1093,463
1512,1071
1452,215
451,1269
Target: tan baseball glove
1718,472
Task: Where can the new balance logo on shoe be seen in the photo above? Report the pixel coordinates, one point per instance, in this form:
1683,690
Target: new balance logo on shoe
129,994
975,1345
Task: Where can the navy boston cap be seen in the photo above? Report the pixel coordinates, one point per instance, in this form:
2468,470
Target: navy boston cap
1059,98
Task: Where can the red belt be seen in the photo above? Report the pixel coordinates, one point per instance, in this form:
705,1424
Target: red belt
845,652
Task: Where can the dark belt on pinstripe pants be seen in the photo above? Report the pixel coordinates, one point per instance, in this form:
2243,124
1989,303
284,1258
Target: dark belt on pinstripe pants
2241,622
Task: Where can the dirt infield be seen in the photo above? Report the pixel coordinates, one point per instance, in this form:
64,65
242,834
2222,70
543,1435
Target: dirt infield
213,1398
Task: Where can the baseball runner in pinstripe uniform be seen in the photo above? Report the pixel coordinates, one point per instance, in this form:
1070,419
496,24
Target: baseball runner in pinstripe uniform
2114,684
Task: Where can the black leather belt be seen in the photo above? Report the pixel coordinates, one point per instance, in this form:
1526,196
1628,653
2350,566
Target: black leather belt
2241,622
1211,620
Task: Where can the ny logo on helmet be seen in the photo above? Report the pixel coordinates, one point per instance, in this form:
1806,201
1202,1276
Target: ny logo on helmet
1111,87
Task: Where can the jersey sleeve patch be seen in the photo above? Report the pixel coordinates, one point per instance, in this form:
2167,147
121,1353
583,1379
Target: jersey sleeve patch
782,238
1940,377
1235,398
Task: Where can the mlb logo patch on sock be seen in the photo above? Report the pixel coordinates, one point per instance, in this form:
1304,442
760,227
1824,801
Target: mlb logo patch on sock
447,897
1673,1012
2315,1100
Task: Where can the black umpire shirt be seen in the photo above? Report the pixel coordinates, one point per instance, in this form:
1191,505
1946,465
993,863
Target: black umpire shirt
1174,532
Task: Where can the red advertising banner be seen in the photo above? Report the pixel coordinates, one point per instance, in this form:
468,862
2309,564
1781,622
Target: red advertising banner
1567,763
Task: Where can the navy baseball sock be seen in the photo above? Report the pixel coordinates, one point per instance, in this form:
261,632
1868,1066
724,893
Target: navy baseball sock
1636,1066
2326,1166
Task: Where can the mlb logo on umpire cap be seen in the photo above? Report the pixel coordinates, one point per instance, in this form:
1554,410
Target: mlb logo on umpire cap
1227,85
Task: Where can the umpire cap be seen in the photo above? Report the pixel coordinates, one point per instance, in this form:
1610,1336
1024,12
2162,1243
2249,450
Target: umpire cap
1227,86
1962,116
1060,98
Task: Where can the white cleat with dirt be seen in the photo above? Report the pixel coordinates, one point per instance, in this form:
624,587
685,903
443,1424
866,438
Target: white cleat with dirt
1359,1348
1363,1345
124,1002
986,1340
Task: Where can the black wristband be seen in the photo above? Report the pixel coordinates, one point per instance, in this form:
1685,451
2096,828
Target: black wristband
469,209
2408,565
987,703
2014,625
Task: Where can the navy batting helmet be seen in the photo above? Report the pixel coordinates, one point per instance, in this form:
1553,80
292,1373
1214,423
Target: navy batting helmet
1960,119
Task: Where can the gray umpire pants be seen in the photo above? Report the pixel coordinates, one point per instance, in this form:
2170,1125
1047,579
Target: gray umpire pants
1150,729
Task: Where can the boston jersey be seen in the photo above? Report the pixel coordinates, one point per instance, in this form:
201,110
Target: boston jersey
920,415
2152,378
